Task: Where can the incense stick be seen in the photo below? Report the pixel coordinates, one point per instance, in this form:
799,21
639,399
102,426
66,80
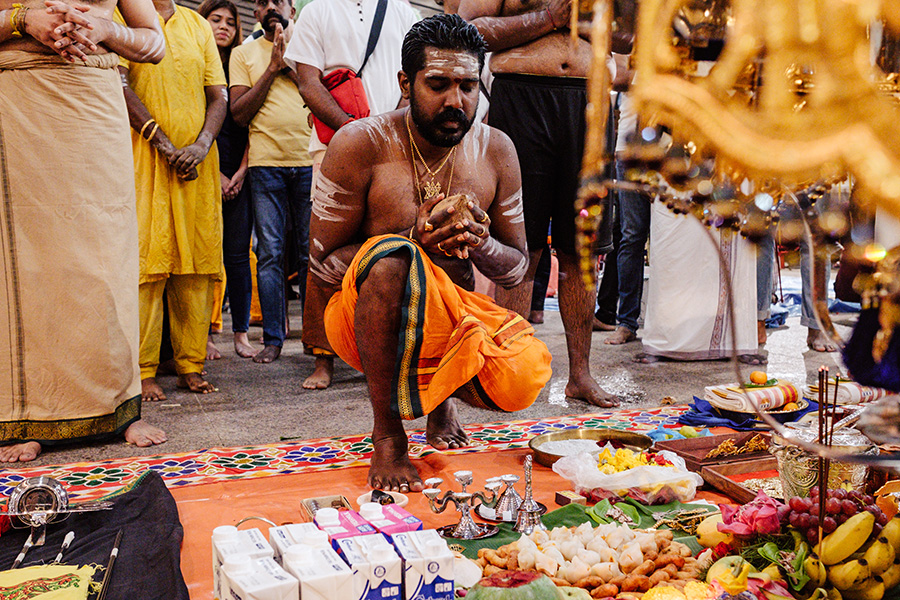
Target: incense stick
109,567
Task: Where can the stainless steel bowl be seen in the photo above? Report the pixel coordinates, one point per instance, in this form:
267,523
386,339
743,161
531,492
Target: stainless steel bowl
635,441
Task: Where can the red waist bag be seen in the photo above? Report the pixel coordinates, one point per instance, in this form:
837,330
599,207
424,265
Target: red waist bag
347,90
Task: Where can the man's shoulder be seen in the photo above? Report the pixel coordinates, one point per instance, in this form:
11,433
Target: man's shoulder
247,49
369,136
491,138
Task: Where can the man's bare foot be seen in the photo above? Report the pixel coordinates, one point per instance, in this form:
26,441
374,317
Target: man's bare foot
443,430
753,359
591,393
142,434
601,326
23,452
391,468
195,383
761,334
321,375
817,340
622,335
242,345
268,354
645,359
536,317
151,390
212,353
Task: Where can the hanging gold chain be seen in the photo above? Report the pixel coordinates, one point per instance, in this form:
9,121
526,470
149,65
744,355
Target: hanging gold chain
433,187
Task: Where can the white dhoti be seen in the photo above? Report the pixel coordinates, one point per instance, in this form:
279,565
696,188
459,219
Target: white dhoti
687,302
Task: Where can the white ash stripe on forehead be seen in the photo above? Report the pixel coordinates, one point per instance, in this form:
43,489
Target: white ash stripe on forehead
459,64
326,200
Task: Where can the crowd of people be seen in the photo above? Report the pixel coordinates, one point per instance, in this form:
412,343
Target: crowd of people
389,201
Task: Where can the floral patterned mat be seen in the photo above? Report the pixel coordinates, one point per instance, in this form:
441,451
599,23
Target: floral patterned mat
91,480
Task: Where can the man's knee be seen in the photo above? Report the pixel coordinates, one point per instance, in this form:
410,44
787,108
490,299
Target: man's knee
389,271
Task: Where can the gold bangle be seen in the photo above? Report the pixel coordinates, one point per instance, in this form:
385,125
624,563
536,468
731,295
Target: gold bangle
13,20
20,20
144,128
153,132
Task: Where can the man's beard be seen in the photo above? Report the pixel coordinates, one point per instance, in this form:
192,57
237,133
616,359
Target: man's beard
267,24
430,129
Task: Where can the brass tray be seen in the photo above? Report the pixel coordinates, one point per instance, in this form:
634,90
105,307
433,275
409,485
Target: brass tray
635,441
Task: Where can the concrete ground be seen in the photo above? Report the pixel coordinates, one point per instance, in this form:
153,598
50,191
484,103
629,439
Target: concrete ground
262,404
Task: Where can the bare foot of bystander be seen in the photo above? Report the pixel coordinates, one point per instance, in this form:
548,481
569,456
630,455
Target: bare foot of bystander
151,390
321,375
443,430
195,383
622,335
23,452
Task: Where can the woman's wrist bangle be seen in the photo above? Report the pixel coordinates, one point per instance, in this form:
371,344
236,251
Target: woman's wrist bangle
153,132
144,128
552,22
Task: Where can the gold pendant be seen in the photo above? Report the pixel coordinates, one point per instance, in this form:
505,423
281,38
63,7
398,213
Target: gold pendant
432,189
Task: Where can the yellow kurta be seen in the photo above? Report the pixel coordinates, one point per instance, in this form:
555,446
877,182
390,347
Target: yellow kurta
179,222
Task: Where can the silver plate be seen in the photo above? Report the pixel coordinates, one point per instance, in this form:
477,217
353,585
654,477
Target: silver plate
482,516
486,531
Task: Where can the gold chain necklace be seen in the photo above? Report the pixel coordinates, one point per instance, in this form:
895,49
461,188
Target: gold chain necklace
433,187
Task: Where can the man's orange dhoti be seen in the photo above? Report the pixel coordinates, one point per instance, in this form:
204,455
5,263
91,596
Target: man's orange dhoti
449,338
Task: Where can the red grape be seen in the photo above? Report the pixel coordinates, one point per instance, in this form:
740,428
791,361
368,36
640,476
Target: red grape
828,524
840,494
783,511
814,509
803,520
794,520
876,529
867,500
812,535
849,508
842,518
882,519
814,492
832,506
797,504
813,521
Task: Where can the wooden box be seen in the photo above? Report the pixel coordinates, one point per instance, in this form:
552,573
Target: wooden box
694,450
721,477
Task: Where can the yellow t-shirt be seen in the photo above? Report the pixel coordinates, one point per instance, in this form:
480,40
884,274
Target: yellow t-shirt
279,133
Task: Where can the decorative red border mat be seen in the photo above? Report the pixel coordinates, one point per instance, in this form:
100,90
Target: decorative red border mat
91,480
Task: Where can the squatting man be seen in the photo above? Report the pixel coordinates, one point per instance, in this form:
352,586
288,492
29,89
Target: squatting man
406,270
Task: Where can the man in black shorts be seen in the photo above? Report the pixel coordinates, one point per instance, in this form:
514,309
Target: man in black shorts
538,98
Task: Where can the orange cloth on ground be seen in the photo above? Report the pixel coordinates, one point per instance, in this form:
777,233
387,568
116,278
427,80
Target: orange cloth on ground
451,338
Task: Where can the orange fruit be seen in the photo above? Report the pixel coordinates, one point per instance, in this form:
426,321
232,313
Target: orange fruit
758,377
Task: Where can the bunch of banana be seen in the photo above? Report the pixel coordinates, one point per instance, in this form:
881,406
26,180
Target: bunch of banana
855,566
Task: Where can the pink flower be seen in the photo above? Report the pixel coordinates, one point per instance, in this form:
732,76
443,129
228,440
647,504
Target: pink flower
758,516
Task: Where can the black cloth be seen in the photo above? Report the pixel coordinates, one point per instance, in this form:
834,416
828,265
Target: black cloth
541,280
232,141
544,117
608,292
149,562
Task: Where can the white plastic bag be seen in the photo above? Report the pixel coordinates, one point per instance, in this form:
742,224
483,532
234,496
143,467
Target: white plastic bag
646,484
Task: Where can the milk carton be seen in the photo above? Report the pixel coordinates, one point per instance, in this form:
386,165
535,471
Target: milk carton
244,578
227,541
340,524
389,519
321,572
377,570
427,565
283,537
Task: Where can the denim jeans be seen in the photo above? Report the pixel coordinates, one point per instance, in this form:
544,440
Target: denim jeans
277,192
765,263
634,221
237,222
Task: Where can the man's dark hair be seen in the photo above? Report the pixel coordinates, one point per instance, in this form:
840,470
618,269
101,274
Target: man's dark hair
445,32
